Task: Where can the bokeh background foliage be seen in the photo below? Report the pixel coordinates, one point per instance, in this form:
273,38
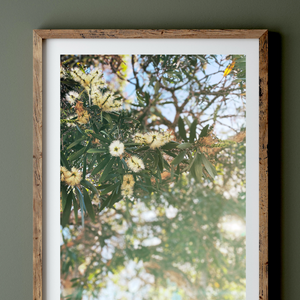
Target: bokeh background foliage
173,226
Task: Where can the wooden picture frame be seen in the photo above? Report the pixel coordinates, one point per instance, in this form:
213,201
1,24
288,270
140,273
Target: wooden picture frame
40,35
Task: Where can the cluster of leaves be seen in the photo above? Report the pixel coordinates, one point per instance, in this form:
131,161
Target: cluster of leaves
86,147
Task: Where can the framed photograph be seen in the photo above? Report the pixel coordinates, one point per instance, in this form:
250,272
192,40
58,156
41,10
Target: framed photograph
150,164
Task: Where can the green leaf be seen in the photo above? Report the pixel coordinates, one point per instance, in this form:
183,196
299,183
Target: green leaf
140,99
92,161
197,166
84,167
88,205
101,165
142,187
94,150
166,165
169,146
106,201
184,145
81,202
64,160
178,159
67,210
190,164
107,117
114,198
77,154
142,148
172,172
147,98
89,186
208,166
100,138
75,204
187,121
132,144
64,196
160,161
182,132
204,131
110,188
170,153
132,119
80,130
107,169
75,143
193,131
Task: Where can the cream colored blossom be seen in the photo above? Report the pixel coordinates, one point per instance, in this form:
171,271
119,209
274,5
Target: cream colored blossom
127,192
62,72
84,117
168,136
116,148
90,81
135,164
96,200
139,138
73,177
128,181
106,101
72,96
155,139
63,170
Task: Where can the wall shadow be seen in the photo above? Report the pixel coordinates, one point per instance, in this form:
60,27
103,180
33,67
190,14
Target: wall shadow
275,169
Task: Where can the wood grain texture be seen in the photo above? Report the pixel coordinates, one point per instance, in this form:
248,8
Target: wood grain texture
150,34
37,167
39,35
263,167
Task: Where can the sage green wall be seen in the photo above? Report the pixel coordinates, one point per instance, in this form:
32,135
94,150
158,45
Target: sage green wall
17,20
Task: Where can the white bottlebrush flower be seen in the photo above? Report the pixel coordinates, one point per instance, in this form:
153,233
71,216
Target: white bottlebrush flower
148,138
135,164
168,136
63,170
127,192
90,81
62,72
72,96
139,138
106,101
116,148
77,74
155,139
115,106
96,200
73,177
96,79
102,100
128,181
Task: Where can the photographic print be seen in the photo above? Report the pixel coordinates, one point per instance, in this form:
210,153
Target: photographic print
153,177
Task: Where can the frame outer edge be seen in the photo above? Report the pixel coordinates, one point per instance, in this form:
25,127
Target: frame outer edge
39,35
263,167
37,167
150,33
